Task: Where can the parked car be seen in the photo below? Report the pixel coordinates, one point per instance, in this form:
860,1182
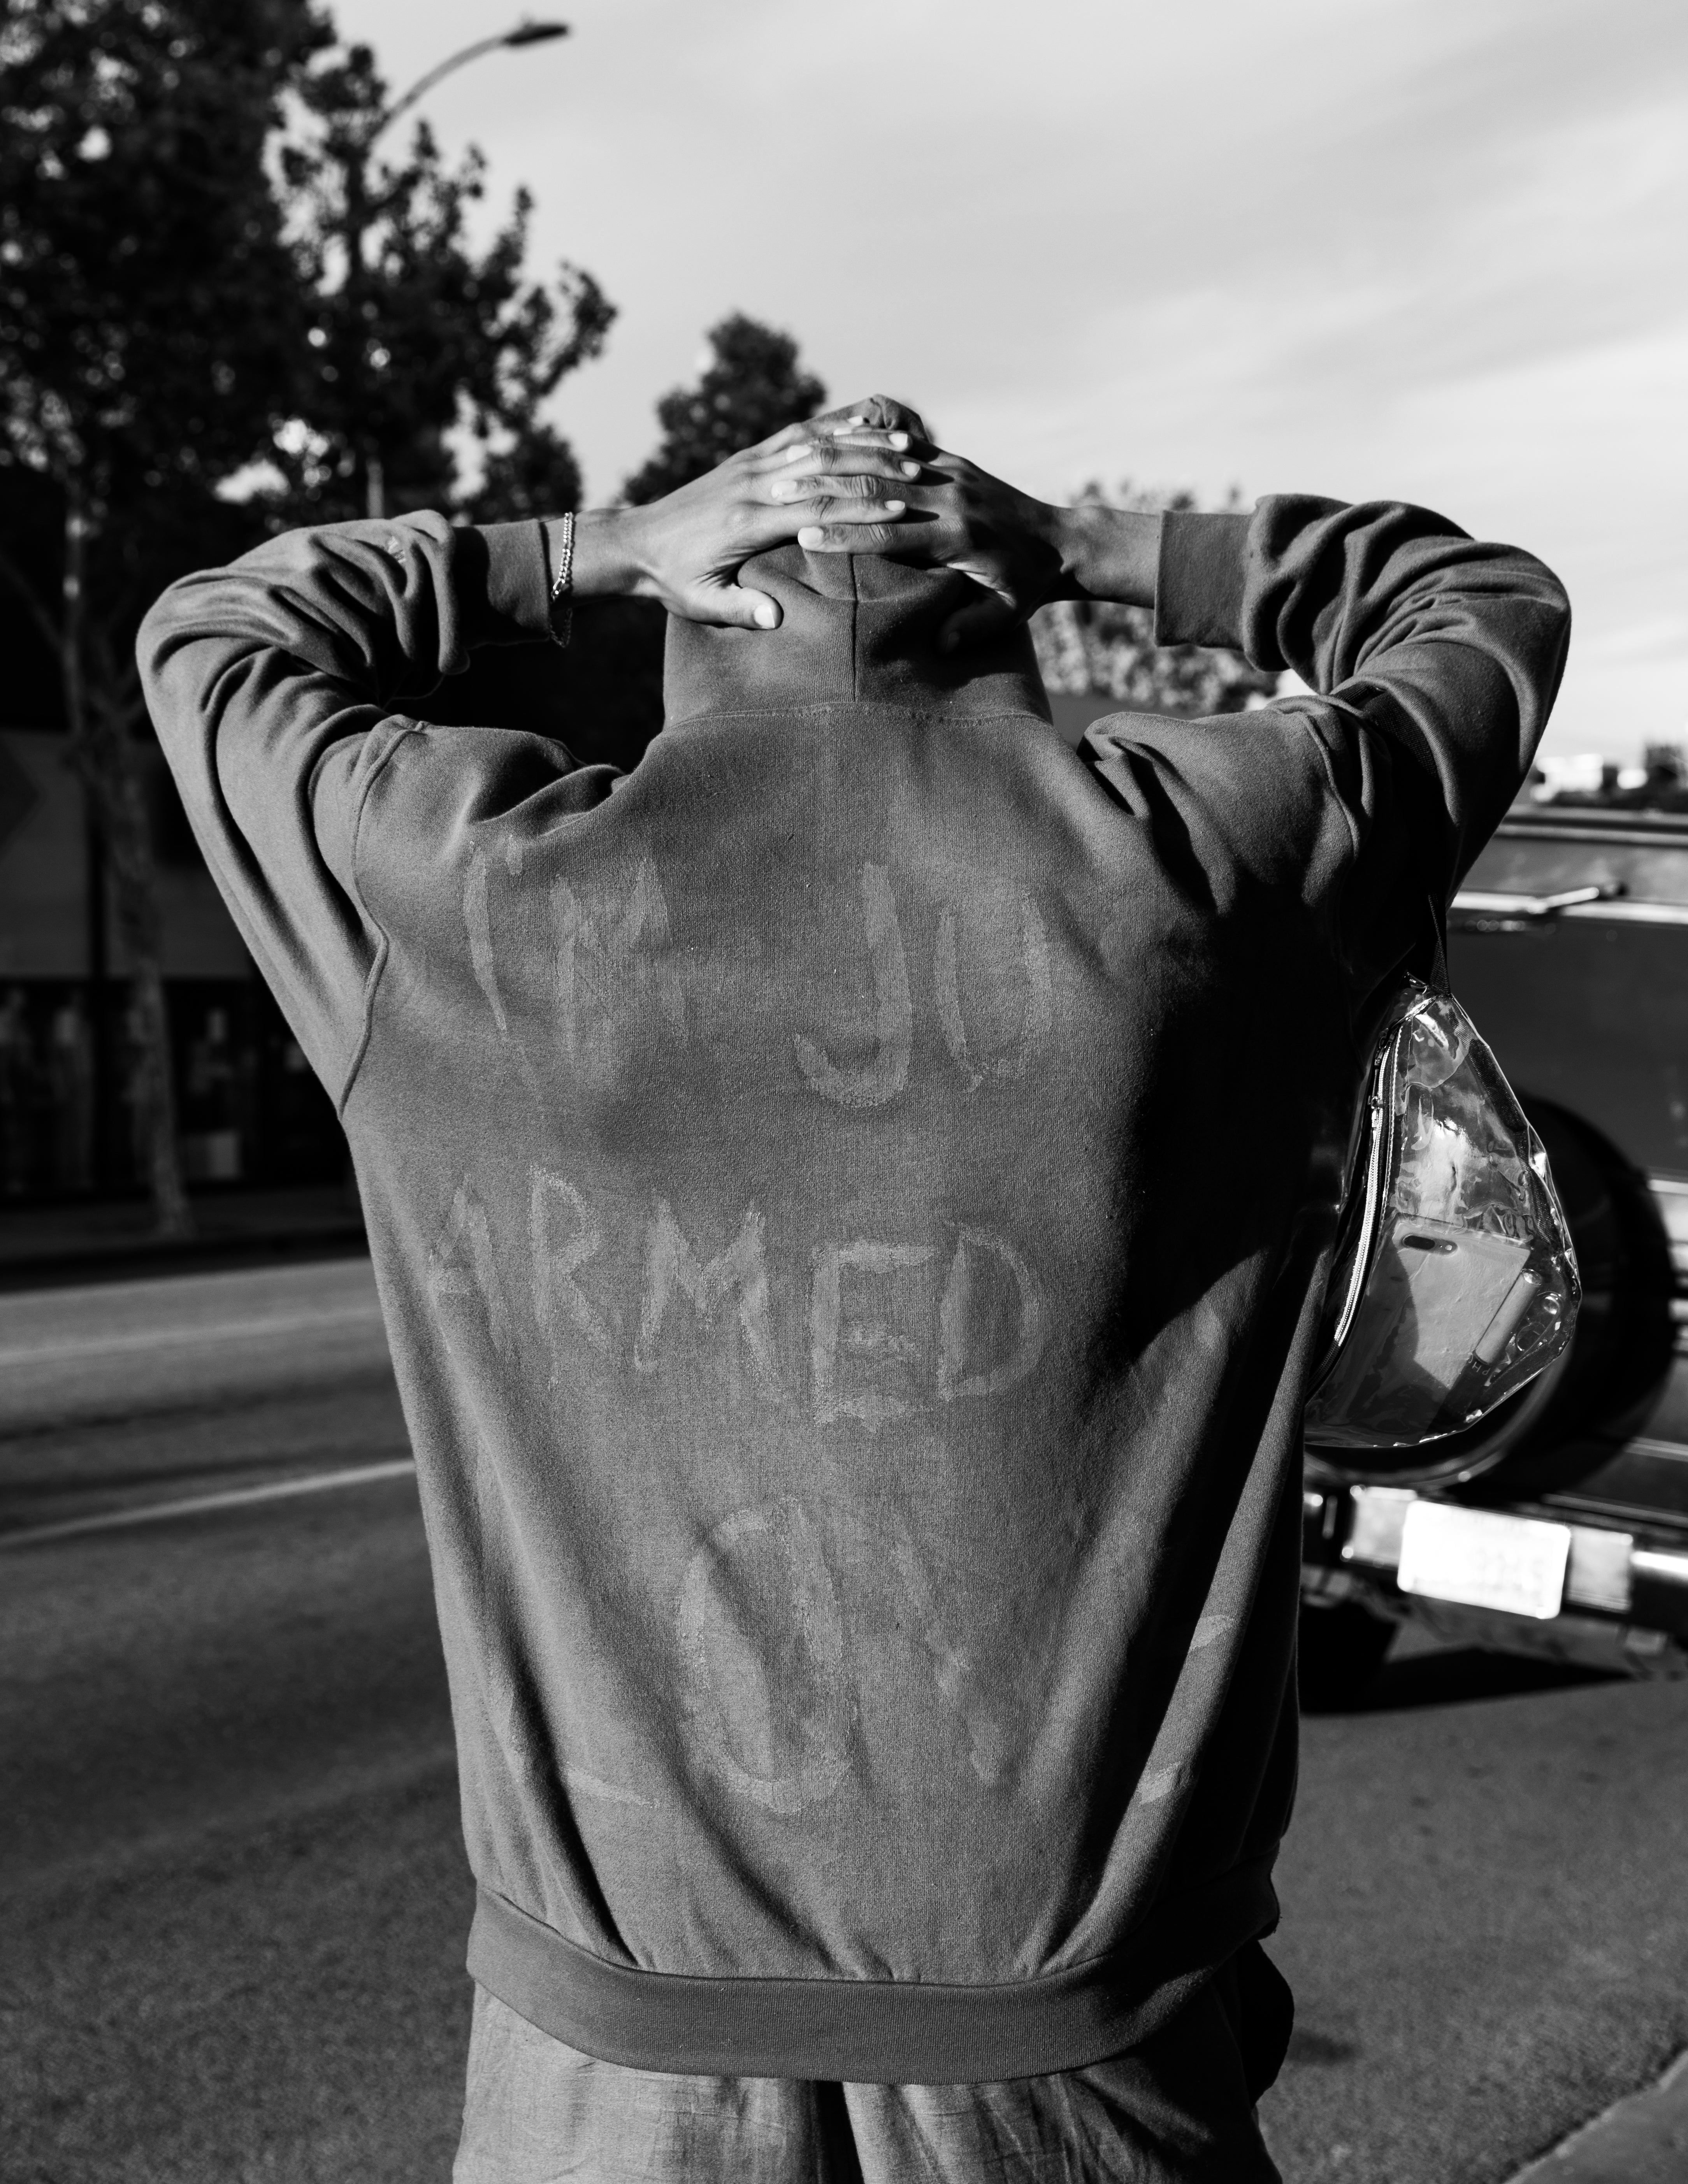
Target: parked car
1559,1527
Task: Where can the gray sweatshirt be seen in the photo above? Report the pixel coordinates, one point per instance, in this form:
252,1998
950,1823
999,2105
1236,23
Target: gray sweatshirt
851,1200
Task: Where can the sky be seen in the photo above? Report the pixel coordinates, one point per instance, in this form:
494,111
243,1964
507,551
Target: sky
1428,249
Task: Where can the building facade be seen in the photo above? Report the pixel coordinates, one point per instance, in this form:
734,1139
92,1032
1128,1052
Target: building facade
249,1110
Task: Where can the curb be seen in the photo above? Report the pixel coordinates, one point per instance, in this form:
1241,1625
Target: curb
1642,2140
122,1260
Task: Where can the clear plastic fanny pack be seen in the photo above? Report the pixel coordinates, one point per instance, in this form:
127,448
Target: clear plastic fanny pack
1455,1282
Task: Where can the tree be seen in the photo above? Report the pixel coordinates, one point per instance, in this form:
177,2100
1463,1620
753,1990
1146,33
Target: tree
753,387
534,475
148,319
1088,648
413,335
178,318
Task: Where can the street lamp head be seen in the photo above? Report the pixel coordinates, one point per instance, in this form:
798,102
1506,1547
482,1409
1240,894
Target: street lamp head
524,34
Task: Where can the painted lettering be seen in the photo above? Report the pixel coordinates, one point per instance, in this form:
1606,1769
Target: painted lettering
613,970
870,1084
958,1683
960,1374
461,1266
893,1327
671,1265
1155,1783
564,1236
830,1332
769,1708
477,916
589,1784
1037,1014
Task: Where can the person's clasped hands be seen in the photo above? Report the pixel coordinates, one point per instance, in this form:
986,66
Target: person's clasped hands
864,479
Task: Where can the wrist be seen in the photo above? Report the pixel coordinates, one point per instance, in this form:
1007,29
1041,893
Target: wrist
1042,529
1111,554
607,558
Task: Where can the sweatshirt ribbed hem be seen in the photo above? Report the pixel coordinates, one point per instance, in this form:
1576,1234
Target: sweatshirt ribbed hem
518,577
869,2031
1200,579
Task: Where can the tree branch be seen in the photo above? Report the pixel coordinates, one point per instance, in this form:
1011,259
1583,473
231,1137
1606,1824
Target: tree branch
37,606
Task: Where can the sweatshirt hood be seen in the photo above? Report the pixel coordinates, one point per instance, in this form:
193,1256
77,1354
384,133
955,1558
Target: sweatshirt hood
857,630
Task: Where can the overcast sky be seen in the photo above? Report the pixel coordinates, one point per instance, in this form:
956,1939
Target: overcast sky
1429,249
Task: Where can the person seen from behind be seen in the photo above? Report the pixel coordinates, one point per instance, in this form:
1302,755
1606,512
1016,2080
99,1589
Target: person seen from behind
851,1195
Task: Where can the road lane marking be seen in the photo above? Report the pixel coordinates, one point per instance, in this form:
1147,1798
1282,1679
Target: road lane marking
154,1513
226,1330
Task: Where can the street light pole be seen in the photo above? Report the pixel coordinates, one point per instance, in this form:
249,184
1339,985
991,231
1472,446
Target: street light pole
357,221
524,34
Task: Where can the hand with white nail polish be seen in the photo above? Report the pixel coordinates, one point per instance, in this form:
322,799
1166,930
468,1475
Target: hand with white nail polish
1020,552
849,471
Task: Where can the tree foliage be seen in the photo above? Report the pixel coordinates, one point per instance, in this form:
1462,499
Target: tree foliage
149,307
148,298
208,278
752,386
414,335
533,473
1090,648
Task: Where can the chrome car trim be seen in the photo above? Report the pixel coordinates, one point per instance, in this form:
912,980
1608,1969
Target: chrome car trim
1519,913
1622,830
1644,1445
1660,1564
1508,902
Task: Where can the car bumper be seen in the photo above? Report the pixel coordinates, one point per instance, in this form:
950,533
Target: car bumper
1622,1603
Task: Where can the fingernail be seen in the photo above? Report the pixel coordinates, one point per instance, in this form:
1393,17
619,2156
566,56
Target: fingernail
909,469
810,536
896,507
796,454
766,615
783,488
900,439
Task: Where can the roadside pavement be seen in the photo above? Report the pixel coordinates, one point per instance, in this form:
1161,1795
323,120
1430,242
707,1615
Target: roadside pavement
101,1239
1643,2140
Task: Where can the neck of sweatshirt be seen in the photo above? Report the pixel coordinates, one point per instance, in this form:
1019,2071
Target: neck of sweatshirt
855,630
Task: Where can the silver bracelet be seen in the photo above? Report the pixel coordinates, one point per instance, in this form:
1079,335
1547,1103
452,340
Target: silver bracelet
562,586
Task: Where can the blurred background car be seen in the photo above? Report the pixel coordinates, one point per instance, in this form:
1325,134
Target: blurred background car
1558,1527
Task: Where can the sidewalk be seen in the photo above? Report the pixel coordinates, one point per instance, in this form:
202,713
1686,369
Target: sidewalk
45,1246
1643,2140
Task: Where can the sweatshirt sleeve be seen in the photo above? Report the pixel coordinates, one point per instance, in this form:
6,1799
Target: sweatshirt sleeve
1433,659
275,686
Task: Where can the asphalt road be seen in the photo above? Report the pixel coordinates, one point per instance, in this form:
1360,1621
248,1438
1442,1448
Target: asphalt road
234,1896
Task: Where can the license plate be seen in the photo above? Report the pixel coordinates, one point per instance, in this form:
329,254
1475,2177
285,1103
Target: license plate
1482,1560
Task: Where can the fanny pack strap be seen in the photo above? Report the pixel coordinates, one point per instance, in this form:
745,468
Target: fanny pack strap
1439,946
